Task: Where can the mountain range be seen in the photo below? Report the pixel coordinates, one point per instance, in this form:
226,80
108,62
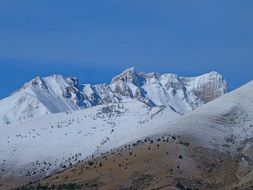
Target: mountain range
141,131
56,94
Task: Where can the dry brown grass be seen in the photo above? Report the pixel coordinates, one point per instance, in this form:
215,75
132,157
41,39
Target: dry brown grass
157,165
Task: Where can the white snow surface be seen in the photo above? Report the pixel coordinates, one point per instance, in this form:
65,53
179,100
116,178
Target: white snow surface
44,144
224,124
56,94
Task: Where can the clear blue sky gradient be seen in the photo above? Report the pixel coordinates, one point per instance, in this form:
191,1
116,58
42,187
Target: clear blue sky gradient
94,40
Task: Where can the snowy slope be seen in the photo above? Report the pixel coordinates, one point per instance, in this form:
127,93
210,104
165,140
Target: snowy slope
39,146
56,94
224,124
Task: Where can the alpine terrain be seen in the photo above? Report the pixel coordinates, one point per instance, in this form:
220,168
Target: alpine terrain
141,131
208,148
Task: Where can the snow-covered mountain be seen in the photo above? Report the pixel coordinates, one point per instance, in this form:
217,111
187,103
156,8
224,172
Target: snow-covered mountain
56,94
36,148
207,148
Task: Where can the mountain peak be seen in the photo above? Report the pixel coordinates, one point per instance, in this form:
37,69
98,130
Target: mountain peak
212,74
39,81
36,82
128,75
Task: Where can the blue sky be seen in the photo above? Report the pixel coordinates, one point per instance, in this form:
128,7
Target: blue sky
95,40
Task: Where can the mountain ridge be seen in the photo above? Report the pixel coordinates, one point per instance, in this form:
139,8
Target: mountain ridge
56,94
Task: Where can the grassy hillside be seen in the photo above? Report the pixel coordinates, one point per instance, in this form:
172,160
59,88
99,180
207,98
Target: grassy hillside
161,163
